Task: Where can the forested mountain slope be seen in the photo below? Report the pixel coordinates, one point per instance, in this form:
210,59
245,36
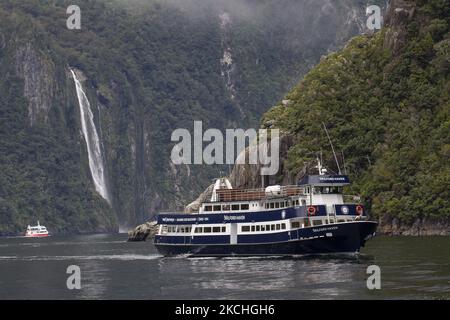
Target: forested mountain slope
385,101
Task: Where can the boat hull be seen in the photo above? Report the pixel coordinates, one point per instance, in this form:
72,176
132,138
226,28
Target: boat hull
42,235
325,239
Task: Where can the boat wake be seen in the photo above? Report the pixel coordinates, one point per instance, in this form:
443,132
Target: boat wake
119,257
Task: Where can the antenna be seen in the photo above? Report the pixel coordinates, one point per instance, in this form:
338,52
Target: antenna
332,148
343,160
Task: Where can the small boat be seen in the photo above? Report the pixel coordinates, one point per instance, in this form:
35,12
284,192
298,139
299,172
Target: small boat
36,231
308,218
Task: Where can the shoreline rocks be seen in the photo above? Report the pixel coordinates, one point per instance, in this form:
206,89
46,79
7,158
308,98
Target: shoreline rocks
143,231
420,227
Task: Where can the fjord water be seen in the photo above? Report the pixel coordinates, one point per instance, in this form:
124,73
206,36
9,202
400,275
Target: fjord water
111,268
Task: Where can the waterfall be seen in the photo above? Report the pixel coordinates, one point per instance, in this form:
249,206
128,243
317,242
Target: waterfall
96,163
227,65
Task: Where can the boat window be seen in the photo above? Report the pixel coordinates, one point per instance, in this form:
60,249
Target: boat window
217,208
216,229
272,205
277,204
283,226
268,227
245,229
257,228
317,222
331,220
253,228
278,226
223,229
303,202
273,227
208,208
263,228
328,190
295,224
234,207
225,207
207,229
341,220
198,230
244,207
267,206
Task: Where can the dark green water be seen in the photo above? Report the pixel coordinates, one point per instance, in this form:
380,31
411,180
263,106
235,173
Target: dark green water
411,268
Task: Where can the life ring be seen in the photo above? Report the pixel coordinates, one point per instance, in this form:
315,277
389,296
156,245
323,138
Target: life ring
311,210
359,210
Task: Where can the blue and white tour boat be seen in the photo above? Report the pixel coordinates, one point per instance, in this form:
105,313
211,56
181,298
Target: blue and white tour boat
308,218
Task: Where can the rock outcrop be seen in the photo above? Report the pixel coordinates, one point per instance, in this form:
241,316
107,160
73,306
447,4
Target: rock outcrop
143,231
248,175
420,227
195,205
398,17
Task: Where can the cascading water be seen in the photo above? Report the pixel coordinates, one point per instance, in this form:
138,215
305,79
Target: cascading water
95,155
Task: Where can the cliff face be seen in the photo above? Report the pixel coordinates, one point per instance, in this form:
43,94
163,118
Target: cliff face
385,101
398,17
146,69
38,81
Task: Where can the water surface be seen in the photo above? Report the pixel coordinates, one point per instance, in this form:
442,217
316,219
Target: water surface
111,268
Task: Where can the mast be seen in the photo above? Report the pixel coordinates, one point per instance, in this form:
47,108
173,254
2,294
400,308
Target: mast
332,148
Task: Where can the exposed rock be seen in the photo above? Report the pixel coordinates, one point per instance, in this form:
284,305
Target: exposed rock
143,231
195,205
39,82
248,175
420,227
286,102
398,17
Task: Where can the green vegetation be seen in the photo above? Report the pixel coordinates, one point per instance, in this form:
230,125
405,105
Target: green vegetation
389,113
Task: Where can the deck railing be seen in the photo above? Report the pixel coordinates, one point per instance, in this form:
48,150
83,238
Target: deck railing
225,195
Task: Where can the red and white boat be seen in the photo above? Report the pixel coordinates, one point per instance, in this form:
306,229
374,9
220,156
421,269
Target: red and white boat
36,231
